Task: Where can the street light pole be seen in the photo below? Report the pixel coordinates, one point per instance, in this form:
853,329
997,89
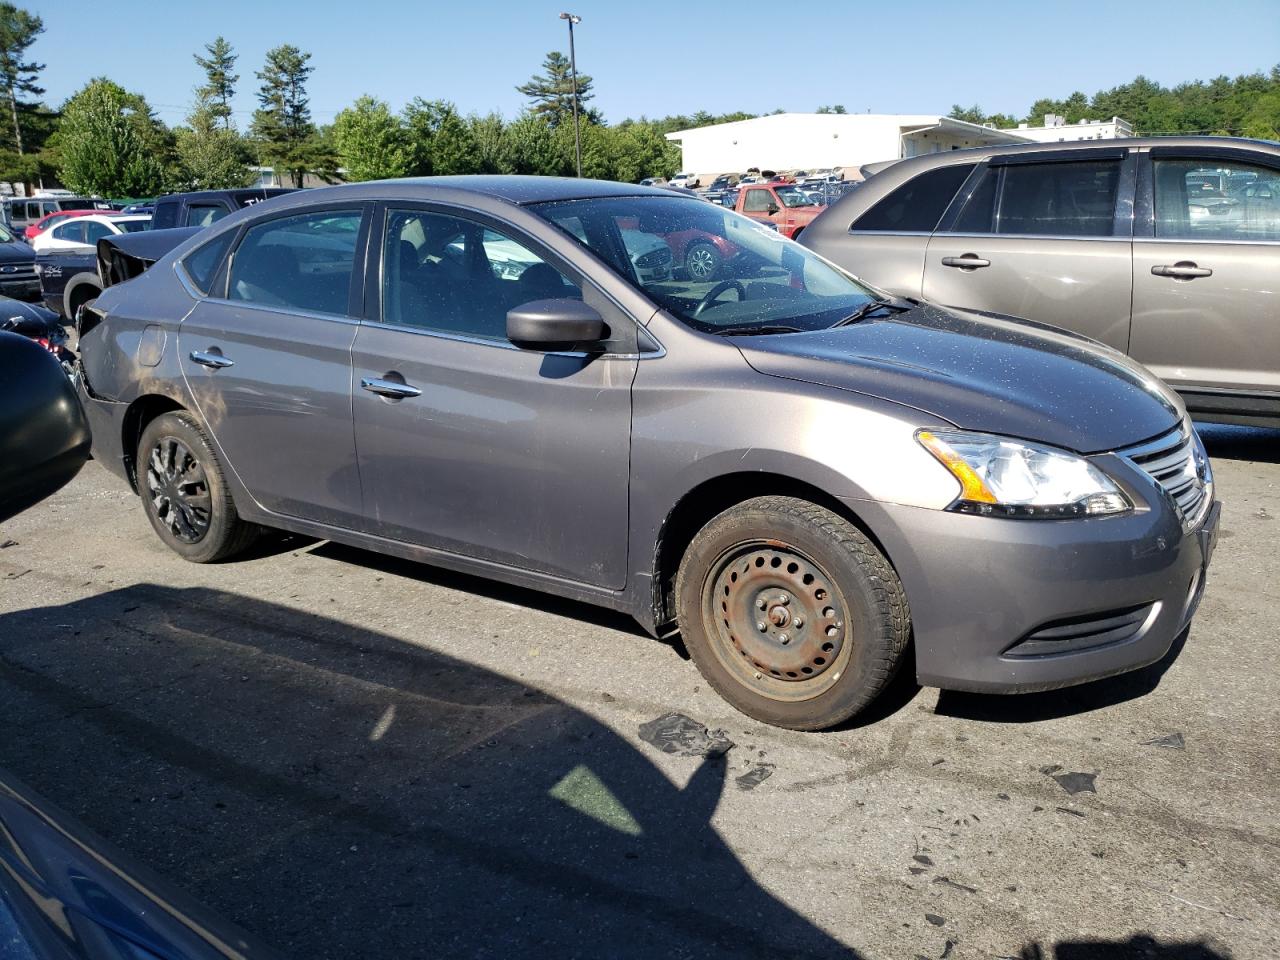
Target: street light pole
573,70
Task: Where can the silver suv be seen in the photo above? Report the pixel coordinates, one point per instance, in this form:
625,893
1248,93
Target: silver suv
1165,248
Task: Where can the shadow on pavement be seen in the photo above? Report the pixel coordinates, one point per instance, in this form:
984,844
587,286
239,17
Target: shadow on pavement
343,794
1226,442
1053,704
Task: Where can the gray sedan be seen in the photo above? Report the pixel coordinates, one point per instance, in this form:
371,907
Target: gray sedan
798,473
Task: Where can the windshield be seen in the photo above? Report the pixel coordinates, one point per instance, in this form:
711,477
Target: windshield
5,235
708,266
794,197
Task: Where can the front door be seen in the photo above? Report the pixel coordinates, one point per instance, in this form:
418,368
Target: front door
1040,240
1206,313
469,444
269,364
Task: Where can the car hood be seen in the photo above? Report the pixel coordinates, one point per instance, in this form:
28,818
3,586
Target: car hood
16,252
982,372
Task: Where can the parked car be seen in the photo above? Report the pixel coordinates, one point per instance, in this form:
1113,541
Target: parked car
794,471
81,234
204,207
51,219
17,268
39,324
653,182
786,206
21,212
686,180
1139,244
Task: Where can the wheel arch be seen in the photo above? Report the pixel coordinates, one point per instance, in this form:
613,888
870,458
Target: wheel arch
708,499
139,414
75,288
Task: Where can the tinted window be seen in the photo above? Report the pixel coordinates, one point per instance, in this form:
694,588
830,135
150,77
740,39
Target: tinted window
166,214
302,262
917,205
133,226
73,231
1073,199
202,264
94,231
1216,200
203,214
452,275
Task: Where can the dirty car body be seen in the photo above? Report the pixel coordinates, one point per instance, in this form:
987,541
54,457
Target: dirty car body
589,469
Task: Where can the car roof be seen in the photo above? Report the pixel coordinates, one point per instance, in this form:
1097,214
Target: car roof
222,194
511,189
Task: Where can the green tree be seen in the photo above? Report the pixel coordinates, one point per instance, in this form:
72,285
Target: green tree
110,143
440,141
487,134
18,31
530,146
220,83
210,156
551,92
282,127
835,108
370,141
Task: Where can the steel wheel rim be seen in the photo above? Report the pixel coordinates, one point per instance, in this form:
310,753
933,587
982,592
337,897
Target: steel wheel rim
179,490
753,628
702,262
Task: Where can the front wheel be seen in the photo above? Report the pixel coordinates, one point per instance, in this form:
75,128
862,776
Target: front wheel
791,613
184,491
702,262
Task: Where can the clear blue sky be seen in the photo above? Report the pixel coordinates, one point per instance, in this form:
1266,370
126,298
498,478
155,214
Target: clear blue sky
661,58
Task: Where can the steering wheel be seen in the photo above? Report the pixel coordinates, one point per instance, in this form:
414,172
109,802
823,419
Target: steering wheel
715,292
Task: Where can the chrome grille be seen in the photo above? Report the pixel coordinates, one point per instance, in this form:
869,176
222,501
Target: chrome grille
1177,464
655,259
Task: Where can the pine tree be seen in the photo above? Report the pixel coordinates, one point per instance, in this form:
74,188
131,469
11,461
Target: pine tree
552,92
282,124
220,86
18,31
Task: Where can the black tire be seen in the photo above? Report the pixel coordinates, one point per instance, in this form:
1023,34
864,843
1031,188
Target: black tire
702,262
184,491
827,574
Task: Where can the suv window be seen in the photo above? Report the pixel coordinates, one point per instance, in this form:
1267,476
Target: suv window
302,262
452,275
165,214
202,263
203,214
917,205
1060,199
1216,200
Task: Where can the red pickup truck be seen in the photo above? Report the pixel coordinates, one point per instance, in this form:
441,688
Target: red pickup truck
787,206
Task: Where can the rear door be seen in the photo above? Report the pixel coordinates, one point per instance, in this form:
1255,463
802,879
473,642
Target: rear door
1206,271
268,360
1045,236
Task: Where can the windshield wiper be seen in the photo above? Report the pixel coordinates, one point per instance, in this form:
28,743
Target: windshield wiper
754,330
867,309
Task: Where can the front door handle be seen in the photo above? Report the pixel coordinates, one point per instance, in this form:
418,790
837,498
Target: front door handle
214,360
1182,270
391,389
969,261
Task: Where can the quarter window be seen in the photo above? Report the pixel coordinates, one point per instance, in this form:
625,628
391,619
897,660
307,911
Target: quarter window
1216,200
1072,199
202,264
917,205
303,262
451,275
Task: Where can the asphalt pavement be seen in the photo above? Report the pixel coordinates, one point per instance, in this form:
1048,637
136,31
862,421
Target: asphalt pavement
354,756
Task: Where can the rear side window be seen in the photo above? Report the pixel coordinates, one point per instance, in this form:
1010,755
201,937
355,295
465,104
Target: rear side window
202,263
73,231
917,205
1072,199
301,263
165,215
203,214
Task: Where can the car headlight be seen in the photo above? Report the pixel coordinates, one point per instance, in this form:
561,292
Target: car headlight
1011,478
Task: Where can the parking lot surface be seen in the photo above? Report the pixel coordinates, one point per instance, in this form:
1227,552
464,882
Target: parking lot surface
354,756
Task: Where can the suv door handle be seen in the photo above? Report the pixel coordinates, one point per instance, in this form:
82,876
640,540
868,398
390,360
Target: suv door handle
1182,270
214,360
969,261
389,388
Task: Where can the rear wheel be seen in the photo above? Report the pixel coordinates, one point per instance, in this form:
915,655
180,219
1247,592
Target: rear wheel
791,613
184,491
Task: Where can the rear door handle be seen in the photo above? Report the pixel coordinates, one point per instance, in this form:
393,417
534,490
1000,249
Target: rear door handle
214,360
969,261
391,389
1182,270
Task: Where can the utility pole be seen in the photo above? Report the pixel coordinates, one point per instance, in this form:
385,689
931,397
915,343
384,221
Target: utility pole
573,72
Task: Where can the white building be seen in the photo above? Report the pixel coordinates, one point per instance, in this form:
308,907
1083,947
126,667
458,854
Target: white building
1057,130
794,141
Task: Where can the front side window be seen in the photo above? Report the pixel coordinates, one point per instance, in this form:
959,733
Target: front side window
758,201
451,275
917,205
1061,199
760,282
95,231
1216,200
303,262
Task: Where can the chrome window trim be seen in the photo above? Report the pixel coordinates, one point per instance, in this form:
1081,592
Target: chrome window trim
1248,243
292,311
890,233
1035,236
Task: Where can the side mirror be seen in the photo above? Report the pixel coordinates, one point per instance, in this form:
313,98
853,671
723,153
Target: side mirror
773,208
555,324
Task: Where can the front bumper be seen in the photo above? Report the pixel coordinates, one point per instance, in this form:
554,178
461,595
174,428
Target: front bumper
1009,606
